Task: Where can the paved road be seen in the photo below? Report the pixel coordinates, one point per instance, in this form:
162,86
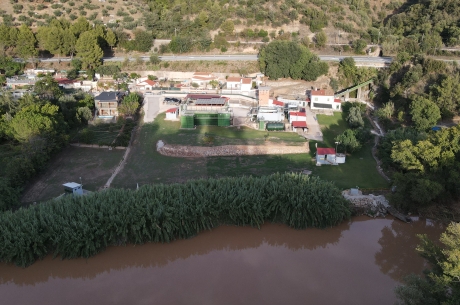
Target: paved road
251,57
151,107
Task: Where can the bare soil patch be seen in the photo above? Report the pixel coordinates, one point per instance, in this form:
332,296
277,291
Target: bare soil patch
185,151
94,166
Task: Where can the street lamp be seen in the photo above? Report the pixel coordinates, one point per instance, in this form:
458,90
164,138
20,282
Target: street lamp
336,145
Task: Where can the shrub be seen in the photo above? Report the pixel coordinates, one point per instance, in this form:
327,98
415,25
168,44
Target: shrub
74,227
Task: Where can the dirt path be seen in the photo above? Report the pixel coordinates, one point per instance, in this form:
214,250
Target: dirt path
374,148
231,150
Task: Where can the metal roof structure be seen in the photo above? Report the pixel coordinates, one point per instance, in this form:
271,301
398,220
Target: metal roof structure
71,185
211,101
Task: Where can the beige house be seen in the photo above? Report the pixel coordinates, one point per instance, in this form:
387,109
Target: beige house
203,78
107,103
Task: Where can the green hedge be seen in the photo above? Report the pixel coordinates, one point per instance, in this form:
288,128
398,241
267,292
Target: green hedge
83,226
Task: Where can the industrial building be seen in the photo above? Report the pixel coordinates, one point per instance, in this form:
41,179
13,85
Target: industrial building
205,109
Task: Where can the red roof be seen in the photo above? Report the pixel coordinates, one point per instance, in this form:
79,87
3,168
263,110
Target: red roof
64,81
234,79
246,81
325,151
299,124
294,113
337,100
172,110
278,103
318,92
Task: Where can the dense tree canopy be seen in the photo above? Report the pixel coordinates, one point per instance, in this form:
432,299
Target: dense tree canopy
280,59
425,114
440,284
89,50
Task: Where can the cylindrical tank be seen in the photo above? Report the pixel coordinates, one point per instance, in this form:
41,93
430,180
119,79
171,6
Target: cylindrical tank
275,126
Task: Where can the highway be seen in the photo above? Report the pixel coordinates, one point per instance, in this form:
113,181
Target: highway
360,60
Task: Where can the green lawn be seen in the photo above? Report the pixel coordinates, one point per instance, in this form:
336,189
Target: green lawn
100,134
170,132
145,165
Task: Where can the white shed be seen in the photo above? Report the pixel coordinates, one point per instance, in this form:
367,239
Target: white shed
325,156
172,114
73,188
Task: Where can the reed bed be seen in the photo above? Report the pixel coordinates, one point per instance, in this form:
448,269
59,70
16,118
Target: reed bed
74,227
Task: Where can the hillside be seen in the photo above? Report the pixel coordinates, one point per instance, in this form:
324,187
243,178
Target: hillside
342,20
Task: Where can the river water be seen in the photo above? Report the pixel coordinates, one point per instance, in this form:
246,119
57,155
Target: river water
358,262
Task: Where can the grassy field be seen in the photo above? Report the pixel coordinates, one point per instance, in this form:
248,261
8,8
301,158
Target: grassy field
93,165
145,165
170,132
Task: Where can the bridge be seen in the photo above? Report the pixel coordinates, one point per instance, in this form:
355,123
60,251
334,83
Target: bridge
359,96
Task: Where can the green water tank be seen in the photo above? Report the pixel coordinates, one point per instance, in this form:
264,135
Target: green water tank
275,126
206,119
223,119
261,125
187,121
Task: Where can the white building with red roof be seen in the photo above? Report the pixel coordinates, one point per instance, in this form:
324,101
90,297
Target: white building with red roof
296,116
172,114
299,125
147,85
239,83
325,156
324,100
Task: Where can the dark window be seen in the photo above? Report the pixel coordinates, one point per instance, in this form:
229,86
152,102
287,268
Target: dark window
319,105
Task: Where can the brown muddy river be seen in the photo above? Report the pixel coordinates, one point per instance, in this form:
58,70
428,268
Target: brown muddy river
358,262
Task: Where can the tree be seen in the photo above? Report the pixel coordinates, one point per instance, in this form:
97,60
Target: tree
47,87
354,118
154,59
143,41
129,104
88,50
441,283
214,83
25,46
10,195
76,64
387,110
320,39
348,140
34,120
358,46
288,59
179,44
425,114
80,26
84,114
347,71
446,95
69,42
227,27
111,38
